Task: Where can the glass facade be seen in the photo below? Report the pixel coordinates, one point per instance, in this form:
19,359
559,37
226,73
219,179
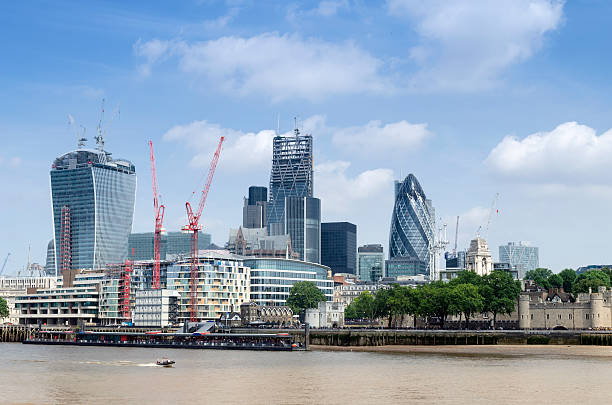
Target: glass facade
405,266
339,246
521,256
272,279
412,223
96,194
303,224
172,243
370,262
291,176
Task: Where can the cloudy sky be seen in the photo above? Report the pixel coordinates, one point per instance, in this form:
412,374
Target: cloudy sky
474,97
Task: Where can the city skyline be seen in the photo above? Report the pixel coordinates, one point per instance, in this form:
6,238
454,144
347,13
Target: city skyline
386,96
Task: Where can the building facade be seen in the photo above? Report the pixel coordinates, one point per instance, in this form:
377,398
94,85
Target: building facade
252,314
291,176
521,255
156,308
303,224
478,258
405,266
172,243
273,278
347,293
326,315
255,210
92,198
370,263
12,287
339,246
412,223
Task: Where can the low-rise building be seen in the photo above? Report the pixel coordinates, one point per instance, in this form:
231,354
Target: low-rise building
346,294
12,287
326,315
253,314
59,306
156,307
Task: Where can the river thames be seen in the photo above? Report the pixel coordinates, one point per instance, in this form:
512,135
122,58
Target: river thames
440,374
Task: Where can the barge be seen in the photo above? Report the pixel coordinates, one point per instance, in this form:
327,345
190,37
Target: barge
225,341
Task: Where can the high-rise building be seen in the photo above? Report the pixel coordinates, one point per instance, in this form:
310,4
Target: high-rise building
291,176
455,260
92,198
339,246
521,256
303,224
405,266
412,224
255,210
172,243
370,262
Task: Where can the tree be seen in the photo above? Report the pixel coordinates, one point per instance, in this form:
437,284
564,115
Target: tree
466,299
304,295
382,305
362,307
555,281
467,277
500,292
591,279
4,311
569,278
539,276
435,301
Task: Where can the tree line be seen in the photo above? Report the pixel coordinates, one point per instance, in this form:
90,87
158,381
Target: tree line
570,280
466,295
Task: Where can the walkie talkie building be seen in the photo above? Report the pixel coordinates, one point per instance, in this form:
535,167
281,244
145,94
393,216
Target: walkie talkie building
92,198
412,223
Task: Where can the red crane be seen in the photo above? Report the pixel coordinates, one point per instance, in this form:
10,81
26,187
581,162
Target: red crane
194,227
159,219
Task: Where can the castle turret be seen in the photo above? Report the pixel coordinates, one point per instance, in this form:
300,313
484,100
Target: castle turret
597,309
523,312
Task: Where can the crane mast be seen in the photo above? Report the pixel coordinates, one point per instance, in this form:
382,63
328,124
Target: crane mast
4,264
193,226
159,219
456,236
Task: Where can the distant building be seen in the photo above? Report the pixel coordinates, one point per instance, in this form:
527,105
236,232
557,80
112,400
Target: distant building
405,266
590,267
478,258
521,256
92,198
455,260
370,262
256,242
255,210
156,308
339,246
12,287
507,268
291,176
253,314
50,262
326,315
412,224
349,292
303,224
172,243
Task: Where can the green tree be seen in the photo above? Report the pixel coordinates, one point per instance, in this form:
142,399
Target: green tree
382,305
304,295
350,312
591,279
569,278
500,292
435,301
467,277
466,299
555,281
539,276
363,306
4,311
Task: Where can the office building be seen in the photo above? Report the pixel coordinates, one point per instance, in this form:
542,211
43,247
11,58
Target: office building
339,246
92,198
273,278
172,243
255,210
455,260
521,256
256,242
291,176
156,308
303,224
412,224
405,266
370,263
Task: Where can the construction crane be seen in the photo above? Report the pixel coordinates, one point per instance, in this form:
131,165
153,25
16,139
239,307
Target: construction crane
456,236
4,264
159,219
194,227
486,230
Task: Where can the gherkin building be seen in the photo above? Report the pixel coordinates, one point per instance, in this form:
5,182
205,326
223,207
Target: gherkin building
412,222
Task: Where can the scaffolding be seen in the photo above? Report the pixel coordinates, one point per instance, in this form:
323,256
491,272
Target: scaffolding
65,241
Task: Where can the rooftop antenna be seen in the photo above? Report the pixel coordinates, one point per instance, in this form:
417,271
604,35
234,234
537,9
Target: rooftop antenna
99,137
80,136
296,131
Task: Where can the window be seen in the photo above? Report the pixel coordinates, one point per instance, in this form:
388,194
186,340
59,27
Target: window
547,316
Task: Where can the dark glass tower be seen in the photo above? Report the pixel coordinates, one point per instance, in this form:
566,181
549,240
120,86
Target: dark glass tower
303,224
92,197
254,212
412,223
291,176
339,246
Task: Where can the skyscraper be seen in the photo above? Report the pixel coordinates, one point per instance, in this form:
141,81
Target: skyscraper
412,223
255,210
172,243
291,176
370,262
303,224
339,246
521,256
92,198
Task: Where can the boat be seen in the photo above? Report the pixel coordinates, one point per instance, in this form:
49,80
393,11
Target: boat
165,362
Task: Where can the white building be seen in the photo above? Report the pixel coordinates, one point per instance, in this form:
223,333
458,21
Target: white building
157,308
11,287
478,258
327,315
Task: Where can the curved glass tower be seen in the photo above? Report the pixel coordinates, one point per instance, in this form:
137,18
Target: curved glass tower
92,197
412,222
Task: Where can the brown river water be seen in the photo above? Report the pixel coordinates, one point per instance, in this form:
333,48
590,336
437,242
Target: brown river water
443,374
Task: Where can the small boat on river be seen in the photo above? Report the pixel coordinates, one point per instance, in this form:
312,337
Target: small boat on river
165,362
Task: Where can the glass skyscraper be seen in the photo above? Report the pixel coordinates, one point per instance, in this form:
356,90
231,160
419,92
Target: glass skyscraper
412,223
370,262
303,224
92,197
339,246
172,243
291,176
521,256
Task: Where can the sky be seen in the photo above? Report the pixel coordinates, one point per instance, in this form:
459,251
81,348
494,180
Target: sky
473,97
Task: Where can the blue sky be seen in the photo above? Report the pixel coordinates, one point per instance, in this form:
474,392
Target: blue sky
473,97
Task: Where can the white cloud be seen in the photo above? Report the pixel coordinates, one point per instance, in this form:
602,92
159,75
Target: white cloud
330,8
277,66
466,45
571,153
342,194
469,223
241,150
374,137
11,162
